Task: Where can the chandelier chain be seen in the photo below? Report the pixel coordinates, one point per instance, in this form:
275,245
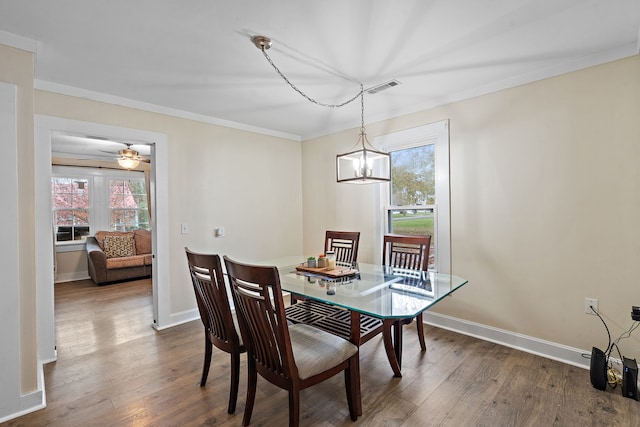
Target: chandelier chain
322,104
361,108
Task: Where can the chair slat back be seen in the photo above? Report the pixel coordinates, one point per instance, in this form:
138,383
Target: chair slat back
260,307
211,295
344,244
407,252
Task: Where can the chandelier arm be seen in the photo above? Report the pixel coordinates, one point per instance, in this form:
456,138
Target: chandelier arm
359,94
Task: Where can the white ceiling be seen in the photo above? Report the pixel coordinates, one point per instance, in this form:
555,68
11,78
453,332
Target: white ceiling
194,58
93,147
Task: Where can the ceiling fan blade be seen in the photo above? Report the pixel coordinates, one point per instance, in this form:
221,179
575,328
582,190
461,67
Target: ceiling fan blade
100,138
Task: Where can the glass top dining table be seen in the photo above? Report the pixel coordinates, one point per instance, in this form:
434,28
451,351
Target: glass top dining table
376,290
392,295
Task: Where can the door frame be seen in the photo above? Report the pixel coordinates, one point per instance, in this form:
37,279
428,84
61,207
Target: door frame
44,126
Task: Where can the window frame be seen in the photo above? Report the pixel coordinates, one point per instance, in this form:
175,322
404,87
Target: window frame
438,134
124,210
73,180
99,198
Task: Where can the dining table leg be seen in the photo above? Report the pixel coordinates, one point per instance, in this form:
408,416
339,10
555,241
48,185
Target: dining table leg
392,338
355,339
397,341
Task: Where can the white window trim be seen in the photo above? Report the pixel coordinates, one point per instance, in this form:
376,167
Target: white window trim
99,210
438,134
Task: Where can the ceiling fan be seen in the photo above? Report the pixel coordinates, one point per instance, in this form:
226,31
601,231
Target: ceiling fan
130,158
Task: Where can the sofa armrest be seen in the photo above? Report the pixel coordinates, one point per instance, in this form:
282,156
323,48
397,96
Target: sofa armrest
96,261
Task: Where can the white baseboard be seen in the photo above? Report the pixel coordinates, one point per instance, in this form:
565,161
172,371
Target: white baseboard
550,350
554,351
28,403
179,318
71,277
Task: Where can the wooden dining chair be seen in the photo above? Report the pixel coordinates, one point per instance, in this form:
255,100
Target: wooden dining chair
344,244
409,253
291,357
220,325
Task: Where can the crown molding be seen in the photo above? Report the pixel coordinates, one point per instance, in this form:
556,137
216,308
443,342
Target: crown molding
19,42
145,106
570,65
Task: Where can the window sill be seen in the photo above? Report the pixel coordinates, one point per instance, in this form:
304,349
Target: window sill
73,246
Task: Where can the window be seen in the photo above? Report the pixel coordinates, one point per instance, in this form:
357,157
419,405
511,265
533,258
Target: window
416,202
87,200
128,204
412,196
71,213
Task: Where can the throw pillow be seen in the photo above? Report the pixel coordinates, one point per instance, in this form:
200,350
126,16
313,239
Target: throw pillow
142,239
100,235
118,246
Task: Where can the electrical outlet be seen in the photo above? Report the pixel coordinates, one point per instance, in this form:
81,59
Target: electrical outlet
219,232
588,303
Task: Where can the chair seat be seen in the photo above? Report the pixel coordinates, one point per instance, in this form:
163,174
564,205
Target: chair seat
316,351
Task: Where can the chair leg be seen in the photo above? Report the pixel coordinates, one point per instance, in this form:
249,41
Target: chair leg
294,407
252,379
351,374
420,325
207,361
235,379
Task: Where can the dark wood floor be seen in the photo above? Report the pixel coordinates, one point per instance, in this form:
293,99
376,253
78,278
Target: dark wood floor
114,369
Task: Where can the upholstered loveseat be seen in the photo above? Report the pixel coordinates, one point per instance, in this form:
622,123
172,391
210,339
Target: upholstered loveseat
114,256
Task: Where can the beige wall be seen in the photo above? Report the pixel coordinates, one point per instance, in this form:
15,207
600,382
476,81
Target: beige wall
71,265
545,202
246,182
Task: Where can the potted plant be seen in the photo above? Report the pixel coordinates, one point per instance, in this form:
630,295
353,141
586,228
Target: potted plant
311,261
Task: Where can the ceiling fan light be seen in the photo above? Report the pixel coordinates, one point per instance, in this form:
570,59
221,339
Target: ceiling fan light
128,162
129,158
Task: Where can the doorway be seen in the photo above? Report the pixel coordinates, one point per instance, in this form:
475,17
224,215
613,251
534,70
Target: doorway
45,127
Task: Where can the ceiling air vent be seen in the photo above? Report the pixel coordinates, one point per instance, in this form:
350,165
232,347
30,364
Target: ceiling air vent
383,86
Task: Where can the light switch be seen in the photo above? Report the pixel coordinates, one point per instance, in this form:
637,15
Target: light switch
219,232
185,228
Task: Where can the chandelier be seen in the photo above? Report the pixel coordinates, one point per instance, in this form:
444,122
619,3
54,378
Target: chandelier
363,164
